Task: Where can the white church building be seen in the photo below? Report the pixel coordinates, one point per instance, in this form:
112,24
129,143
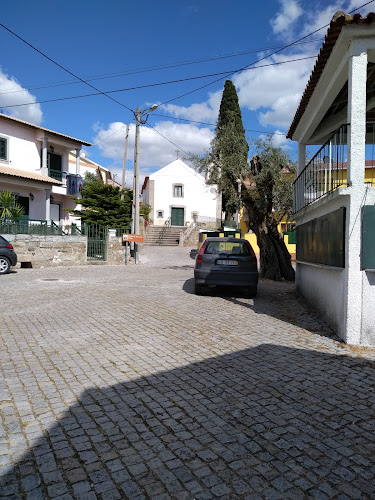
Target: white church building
179,194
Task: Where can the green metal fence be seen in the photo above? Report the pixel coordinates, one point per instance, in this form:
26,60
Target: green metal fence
96,241
30,226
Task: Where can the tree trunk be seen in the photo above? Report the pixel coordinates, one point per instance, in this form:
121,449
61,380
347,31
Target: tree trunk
275,260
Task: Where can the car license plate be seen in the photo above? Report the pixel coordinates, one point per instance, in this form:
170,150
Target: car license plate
221,262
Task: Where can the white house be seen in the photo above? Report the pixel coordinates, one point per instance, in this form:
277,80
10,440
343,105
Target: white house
335,193
43,168
179,193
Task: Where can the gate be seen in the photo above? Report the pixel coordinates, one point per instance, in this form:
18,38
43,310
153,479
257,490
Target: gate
96,241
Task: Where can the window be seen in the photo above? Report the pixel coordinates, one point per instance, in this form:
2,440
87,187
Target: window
54,162
3,149
177,190
160,214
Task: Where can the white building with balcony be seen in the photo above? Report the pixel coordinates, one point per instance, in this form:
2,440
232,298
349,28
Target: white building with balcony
34,165
335,192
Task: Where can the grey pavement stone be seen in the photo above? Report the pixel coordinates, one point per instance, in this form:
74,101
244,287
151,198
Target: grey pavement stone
118,381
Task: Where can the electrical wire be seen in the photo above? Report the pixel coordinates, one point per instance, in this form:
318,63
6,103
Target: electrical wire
144,70
213,124
63,68
166,138
259,60
158,84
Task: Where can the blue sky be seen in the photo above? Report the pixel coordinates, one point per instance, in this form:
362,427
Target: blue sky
119,45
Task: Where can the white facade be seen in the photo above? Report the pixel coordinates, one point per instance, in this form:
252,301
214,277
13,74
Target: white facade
25,170
345,296
179,192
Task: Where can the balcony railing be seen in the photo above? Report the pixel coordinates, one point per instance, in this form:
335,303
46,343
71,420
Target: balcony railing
324,173
55,174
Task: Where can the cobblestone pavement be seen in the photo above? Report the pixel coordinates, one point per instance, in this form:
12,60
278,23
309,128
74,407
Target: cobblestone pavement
119,382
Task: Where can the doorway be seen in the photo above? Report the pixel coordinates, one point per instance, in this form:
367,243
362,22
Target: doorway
177,216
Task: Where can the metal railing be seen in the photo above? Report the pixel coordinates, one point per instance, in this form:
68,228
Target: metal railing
324,173
55,174
167,224
370,154
30,226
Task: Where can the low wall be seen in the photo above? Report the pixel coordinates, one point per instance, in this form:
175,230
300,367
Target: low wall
43,251
46,251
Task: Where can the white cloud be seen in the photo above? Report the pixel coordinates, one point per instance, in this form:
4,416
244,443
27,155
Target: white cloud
155,150
289,13
274,91
205,111
12,93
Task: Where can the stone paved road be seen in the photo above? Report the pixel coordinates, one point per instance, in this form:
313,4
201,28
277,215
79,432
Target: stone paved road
118,382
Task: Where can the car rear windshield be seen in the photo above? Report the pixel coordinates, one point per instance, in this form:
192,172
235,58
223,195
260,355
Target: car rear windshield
228,248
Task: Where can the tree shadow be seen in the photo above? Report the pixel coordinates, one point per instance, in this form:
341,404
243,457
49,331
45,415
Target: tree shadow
278,299
272,420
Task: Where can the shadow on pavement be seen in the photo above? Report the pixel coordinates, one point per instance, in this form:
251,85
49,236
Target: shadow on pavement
277,299
271,420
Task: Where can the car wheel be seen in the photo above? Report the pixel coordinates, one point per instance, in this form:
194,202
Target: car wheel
251,292
198,289
4,265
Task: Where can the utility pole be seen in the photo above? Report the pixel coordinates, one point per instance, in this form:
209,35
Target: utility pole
125,158
136,183
139,118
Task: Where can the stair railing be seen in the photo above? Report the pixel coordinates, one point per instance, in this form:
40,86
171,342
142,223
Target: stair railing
167,224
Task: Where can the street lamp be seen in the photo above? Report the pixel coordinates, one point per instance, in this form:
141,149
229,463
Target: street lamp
140,117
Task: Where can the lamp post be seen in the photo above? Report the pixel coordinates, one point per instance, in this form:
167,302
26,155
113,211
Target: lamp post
140,117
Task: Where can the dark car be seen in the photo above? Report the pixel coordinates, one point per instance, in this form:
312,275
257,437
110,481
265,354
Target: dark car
229,262
8,256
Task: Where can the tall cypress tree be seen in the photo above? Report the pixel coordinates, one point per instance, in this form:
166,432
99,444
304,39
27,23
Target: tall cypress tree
229,150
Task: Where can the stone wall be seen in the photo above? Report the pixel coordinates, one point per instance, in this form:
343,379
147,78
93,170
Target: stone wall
38,251
45,251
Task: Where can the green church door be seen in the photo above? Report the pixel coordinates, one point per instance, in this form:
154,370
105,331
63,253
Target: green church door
177,217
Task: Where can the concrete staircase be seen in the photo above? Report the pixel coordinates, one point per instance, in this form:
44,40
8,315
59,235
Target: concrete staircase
163,235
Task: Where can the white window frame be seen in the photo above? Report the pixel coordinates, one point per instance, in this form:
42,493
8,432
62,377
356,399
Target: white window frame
178,185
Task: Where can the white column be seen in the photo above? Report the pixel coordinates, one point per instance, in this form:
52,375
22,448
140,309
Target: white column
48,205
301,157
78,168
357,77
44,157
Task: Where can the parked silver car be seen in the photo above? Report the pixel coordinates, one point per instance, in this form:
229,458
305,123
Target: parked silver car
229,262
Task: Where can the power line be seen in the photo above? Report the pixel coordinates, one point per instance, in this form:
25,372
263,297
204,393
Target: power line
259,60
153,84
144,70
63,68
166,138
213,124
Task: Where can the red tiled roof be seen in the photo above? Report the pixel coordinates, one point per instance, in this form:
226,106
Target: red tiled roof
31,125
15,172
334,30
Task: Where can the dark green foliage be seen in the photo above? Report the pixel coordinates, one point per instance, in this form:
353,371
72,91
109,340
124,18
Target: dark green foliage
145,210
228,159
269,199
102,204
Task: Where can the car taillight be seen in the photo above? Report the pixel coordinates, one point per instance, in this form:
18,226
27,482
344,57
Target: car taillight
254,257
9,246
201,252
